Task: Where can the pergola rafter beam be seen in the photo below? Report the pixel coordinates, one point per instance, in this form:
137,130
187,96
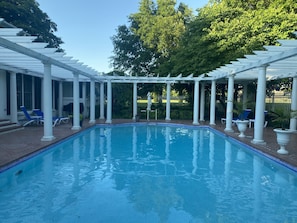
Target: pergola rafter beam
42,57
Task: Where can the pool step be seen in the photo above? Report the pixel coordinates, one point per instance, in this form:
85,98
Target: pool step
8,126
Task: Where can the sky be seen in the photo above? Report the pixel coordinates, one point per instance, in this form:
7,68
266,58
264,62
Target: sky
86,26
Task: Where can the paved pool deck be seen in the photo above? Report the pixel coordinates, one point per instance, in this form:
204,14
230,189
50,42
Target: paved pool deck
17,145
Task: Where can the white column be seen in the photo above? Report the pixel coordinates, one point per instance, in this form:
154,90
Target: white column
293,121
213,103
92,102
47,101
109,102
196,103
202,102
13,98
101,100
260,106
84,98
134,100
168,102
76,115
60,107
229,109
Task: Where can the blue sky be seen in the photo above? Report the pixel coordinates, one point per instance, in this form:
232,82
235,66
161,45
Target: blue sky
86,26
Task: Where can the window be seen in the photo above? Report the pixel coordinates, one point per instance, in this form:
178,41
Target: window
24,90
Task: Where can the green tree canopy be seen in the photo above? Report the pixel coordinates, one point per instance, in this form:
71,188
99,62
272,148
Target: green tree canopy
244,29
153,33
130,54
26,14
229,29
160,26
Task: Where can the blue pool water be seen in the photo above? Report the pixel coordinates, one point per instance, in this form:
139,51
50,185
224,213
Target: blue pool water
148,173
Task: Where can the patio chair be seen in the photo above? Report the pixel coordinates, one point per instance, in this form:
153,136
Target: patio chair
30,119
56,120
242,116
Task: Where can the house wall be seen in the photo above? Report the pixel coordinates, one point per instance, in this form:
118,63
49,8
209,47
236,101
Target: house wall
67,89
68,96
3,95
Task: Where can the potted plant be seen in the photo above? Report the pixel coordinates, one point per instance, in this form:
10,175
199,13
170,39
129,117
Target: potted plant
281,117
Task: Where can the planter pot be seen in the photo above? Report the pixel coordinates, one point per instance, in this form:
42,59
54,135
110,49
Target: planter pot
283,138
242,126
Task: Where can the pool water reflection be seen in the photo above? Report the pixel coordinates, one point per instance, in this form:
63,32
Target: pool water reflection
148,173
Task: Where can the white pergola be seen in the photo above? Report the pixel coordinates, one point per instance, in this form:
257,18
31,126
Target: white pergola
20,54
272,63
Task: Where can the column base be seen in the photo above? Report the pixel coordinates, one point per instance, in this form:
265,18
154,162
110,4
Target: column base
92,121
47,138
75,128
258,141
228,130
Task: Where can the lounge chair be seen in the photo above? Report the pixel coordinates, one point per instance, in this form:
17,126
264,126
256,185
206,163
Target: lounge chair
242,116
30,119
56,120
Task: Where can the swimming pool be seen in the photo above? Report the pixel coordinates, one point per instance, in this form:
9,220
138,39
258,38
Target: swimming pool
148,173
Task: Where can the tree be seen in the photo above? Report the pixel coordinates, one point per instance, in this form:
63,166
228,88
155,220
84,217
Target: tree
228,29
238,31
153,33
196,53
130,54
26,14
161,26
